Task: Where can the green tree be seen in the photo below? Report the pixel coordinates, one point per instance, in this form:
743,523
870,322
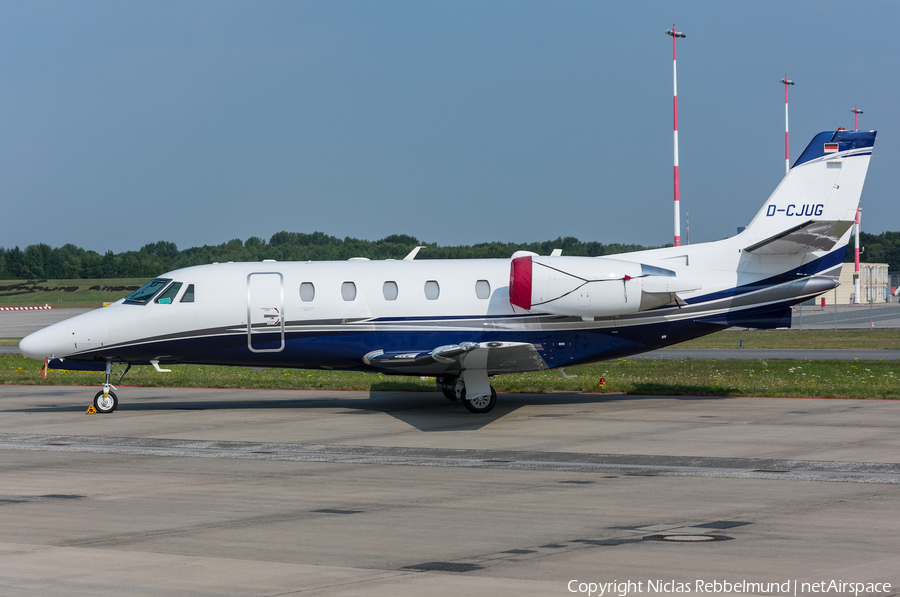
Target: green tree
15,264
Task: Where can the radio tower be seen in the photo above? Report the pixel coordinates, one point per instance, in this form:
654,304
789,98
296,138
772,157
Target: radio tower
675,35
787,151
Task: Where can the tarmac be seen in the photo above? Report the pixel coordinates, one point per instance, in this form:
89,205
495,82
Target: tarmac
18,324
879,316
191,492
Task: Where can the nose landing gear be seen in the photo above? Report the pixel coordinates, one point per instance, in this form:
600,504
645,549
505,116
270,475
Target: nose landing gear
106,401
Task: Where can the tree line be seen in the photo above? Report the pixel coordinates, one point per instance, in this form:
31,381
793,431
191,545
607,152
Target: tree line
878,248
40,261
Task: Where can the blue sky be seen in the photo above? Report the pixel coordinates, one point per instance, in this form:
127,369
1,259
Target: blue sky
124,123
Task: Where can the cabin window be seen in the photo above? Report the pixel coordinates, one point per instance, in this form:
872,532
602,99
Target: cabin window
142,295
432,290
188,296
348,291
307,292
483,289
168,296
390,291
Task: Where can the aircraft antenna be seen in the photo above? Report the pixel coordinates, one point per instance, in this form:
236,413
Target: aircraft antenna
412,254
675,35
856,112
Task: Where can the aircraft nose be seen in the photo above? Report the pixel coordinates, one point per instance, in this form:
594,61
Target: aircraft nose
48,343
35,345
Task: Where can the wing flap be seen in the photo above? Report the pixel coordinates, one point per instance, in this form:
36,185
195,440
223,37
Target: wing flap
495,357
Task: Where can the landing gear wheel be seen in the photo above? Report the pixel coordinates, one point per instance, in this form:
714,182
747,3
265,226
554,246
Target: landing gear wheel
448,388
481,404
107,404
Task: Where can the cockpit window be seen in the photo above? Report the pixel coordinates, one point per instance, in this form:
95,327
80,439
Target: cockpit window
168,297
142,295
188,296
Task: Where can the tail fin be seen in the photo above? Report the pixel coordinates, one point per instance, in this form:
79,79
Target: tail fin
815,204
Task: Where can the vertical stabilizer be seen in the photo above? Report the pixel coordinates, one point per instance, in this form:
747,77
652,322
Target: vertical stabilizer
821,191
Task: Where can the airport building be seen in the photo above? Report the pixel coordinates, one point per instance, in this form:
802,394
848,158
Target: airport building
874,283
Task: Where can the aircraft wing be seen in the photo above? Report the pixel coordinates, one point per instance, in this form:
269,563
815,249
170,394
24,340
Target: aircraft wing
495,357
808,236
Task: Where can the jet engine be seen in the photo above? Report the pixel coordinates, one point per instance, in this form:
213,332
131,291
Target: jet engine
591,286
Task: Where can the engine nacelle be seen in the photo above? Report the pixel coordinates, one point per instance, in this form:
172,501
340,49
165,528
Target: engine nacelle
591,286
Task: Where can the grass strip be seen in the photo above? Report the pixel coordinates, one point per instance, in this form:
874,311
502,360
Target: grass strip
66,293
882,339
660,377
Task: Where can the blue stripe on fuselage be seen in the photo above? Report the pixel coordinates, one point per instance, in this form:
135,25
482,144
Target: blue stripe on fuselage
807,269
344,350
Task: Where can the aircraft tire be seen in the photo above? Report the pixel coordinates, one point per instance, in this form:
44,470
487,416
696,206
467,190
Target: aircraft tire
105,406
447,388
481,405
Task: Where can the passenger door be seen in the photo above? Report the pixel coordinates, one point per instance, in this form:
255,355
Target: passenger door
265,312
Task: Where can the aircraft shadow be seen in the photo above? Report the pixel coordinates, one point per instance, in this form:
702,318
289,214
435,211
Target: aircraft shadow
425,411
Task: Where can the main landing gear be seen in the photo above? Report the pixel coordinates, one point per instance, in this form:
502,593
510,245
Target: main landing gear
454,389
106,401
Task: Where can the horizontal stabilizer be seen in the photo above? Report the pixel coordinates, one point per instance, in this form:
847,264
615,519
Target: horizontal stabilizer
803,238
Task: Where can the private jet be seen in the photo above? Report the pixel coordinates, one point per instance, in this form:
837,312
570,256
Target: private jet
465,321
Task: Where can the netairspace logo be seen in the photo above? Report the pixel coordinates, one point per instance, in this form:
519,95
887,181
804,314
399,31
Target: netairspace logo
791,587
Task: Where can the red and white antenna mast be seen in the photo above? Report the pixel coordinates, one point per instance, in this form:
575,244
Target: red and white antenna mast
675,35
787,150
856,112
856,300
